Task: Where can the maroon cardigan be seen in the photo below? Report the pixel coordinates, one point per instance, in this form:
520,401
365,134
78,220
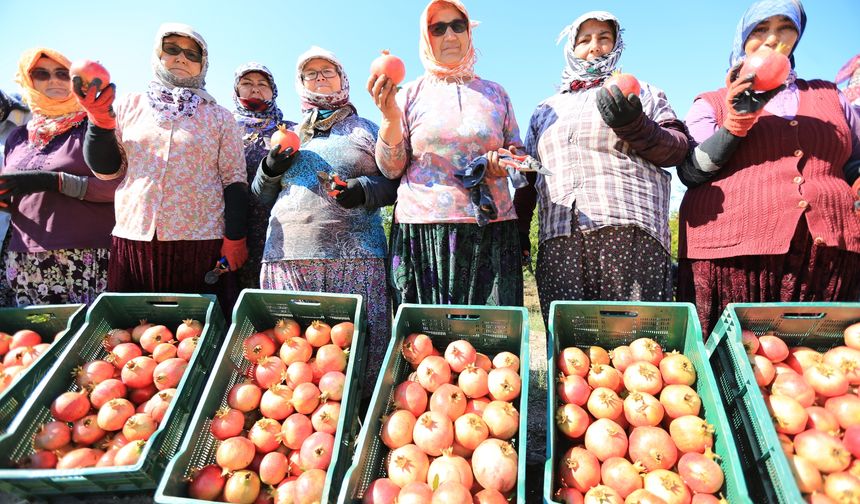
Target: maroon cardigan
782,171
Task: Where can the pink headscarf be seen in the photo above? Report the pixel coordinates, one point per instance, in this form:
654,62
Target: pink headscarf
459,71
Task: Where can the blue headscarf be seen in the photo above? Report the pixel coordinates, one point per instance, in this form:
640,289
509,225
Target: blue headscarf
760,11
260,121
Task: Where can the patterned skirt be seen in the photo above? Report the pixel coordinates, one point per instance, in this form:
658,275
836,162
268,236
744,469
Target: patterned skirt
56,276
457,264
807,272
344,276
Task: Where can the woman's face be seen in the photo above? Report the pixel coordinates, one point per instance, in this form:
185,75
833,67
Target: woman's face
50,78
185,50
448,46
254,85
594,39
771,32
320,76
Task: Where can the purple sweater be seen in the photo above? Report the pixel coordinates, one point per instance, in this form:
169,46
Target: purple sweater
50,220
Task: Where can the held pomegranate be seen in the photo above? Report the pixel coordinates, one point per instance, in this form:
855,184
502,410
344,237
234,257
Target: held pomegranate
771,67
389,66
626,83
285,138
89,70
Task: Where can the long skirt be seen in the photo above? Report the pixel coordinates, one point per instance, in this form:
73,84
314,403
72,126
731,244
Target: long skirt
170,267
344,276
57,276
807,272
457,264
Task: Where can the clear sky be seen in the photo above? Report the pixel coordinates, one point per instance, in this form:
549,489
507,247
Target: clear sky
679,46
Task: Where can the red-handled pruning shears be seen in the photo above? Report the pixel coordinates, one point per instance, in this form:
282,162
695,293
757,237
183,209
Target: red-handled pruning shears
331,183
523,163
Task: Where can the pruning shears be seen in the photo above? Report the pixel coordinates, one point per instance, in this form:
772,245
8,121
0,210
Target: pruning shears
522,163
331,183
221,267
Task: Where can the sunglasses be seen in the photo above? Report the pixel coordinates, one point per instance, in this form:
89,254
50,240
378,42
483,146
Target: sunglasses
174,50
440,28
40,74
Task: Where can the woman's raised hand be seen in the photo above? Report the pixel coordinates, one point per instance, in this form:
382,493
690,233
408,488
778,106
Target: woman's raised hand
383,91
98,104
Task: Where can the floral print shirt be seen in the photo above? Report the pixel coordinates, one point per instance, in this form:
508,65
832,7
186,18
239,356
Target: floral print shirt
176,171
446,126
307,223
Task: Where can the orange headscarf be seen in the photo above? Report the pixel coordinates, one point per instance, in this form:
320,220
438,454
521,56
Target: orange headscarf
39,103
459,71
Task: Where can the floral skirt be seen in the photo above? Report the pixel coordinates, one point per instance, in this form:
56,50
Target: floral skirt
344,276
56,276
457,264
807,272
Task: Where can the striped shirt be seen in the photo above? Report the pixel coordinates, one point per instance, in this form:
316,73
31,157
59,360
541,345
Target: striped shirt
597,178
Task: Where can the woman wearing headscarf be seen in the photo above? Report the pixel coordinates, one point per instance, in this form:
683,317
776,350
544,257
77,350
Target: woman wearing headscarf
769,213
254,94
430,130
322,237
604,210
61,215
183,199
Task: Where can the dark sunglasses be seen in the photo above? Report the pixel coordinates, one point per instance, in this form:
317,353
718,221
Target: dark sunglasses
40,74
440,28
174,50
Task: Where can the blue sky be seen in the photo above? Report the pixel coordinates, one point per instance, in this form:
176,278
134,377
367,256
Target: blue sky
679,46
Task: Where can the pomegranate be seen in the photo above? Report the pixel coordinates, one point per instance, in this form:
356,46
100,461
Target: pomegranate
668,486
79,458
298,373
470,430
852,336
164,351
41,459
483,362
679,400
700,472
432,432
309,486
460,354
504,384
129,454
244,396
642,376
139,426
627,83
750,341
827,453
52,436
276,402
92,373
227,423
389,66
123,353
572,420
155,335
770,66
641,408
168,374
325,417
449,400
573,389
384,491
579,469
605,403
573,361
826,380
845,408
235,453
851,440
306,398
331,385
414,493
114,413
407,464
114,337
331,357
451,491
789,416
653,447
416,347
341,334
677,369
494,465
434,371
24,338
70,406
473,381
565,496
847,360
448,467
295,429
605,439
506,360
206,483
793,385
287,328
623,476
159,404
806,475
256,346
601,375
285,139
88,71
691,434
295,349
397,429
137,373
822,419
318,333
242,487
269,371
502,419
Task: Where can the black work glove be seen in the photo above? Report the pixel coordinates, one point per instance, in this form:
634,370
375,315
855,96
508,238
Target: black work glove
525,246
22,183
277,163
741,95
352,196
616,109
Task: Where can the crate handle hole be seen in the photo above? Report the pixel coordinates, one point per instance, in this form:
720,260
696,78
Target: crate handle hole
304,302
168,304
464,316
619,313
803,315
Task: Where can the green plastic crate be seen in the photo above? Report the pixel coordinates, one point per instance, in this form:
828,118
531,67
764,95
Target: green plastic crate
109,311
489,329
47,320
674,326
255,311
816,325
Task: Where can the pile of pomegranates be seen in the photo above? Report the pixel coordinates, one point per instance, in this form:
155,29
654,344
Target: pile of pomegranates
276,432
450,428
632,420
813,400
117,402
18,351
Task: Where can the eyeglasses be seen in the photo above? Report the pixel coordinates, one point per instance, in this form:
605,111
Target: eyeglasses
40,74
174,50
328,73
440,28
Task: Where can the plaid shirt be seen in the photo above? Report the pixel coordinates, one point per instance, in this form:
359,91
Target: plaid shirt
596,176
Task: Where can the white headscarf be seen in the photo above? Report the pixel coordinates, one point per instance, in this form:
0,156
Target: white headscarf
194,84
598,68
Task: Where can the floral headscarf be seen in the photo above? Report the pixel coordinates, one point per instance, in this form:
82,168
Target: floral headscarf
758,12
335,106
171,96
850,72
598,69
256,121
460,71
51,117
